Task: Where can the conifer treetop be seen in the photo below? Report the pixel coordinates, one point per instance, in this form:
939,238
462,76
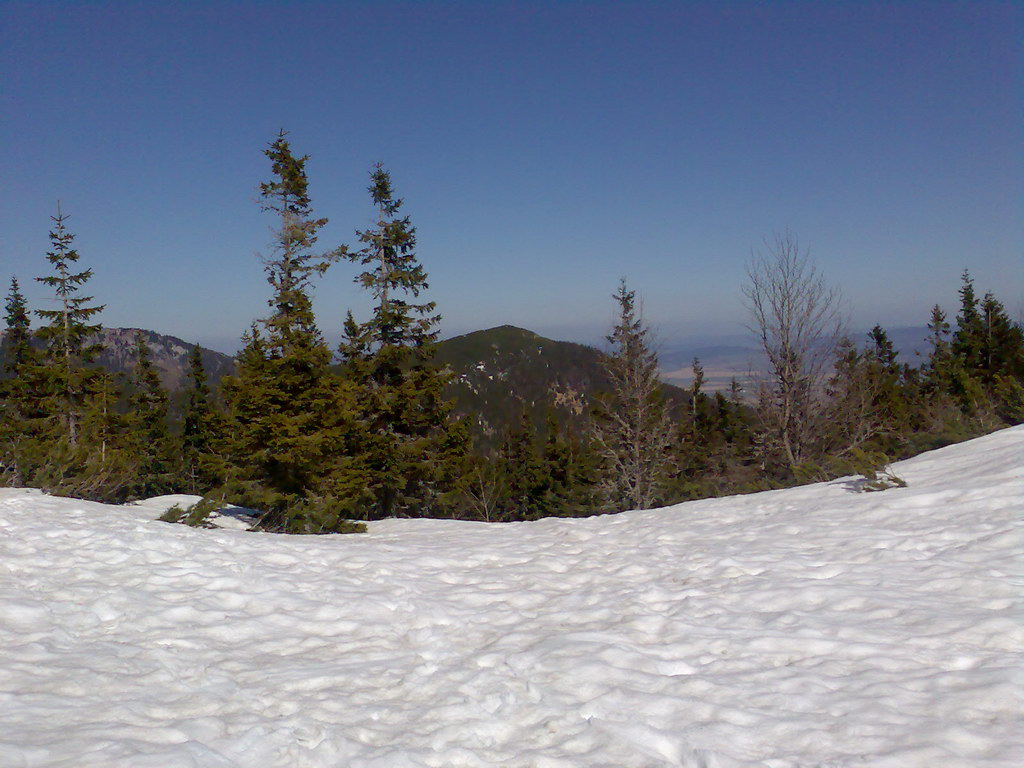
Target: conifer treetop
69,325
395,273
17,338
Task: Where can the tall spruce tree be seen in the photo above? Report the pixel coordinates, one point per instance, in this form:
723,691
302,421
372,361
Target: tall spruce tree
969,338
633,427
17,338
937,369
569,472
19,397
150,436
410,445
1002,342
868,407
988,356
201,430
109,468
68,335
285,407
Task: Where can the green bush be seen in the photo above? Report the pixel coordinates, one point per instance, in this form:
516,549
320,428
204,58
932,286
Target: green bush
874,466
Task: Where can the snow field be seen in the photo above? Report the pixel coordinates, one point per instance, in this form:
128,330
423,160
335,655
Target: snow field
810,627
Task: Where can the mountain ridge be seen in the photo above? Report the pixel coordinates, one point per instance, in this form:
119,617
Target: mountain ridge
502,373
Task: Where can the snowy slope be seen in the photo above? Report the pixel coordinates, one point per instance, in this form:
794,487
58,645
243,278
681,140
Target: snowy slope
808,627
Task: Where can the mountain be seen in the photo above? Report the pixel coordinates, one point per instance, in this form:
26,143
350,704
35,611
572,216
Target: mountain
501,371
497,372
169,355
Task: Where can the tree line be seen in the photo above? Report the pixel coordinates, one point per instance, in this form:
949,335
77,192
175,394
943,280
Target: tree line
320,439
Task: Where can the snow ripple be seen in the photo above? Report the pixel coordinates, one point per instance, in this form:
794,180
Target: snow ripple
797,628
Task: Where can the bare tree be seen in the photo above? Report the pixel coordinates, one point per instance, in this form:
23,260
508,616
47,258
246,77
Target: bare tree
632,423
797,318
484,487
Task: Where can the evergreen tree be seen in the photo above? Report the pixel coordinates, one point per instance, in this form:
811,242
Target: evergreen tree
968,341
147,409
292,330
892,392
109,469
1002,343
950,395
570,472
283,402
202,426
883,351
411,446
524,472
938,368
17,339
559,485
632,423
987,351
854,392
1002,360
19,395
67,336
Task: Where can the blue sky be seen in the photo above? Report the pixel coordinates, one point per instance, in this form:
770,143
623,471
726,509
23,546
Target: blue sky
543,149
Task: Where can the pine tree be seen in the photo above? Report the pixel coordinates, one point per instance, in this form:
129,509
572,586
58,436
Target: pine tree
68,347
893,387
874,402
109,469
1002,342
201,432
938,368
524,472
883,350
287,413
19,395
988,355
569,472
632,424
292,330
1002,358
969,338
950,396
411,445
17,339
150,437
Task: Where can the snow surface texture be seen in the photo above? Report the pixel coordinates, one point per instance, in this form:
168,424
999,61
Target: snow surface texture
807,627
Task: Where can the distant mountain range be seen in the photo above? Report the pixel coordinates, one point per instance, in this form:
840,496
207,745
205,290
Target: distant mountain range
168,353
501,372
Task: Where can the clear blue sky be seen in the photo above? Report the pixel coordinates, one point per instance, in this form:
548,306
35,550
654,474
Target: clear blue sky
543,149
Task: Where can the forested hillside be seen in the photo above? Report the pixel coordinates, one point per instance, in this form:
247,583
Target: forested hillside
500,373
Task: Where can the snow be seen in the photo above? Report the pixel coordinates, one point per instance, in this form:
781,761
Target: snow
810,627
229,516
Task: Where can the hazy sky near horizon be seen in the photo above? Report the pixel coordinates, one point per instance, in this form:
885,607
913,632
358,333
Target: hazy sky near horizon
544,150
